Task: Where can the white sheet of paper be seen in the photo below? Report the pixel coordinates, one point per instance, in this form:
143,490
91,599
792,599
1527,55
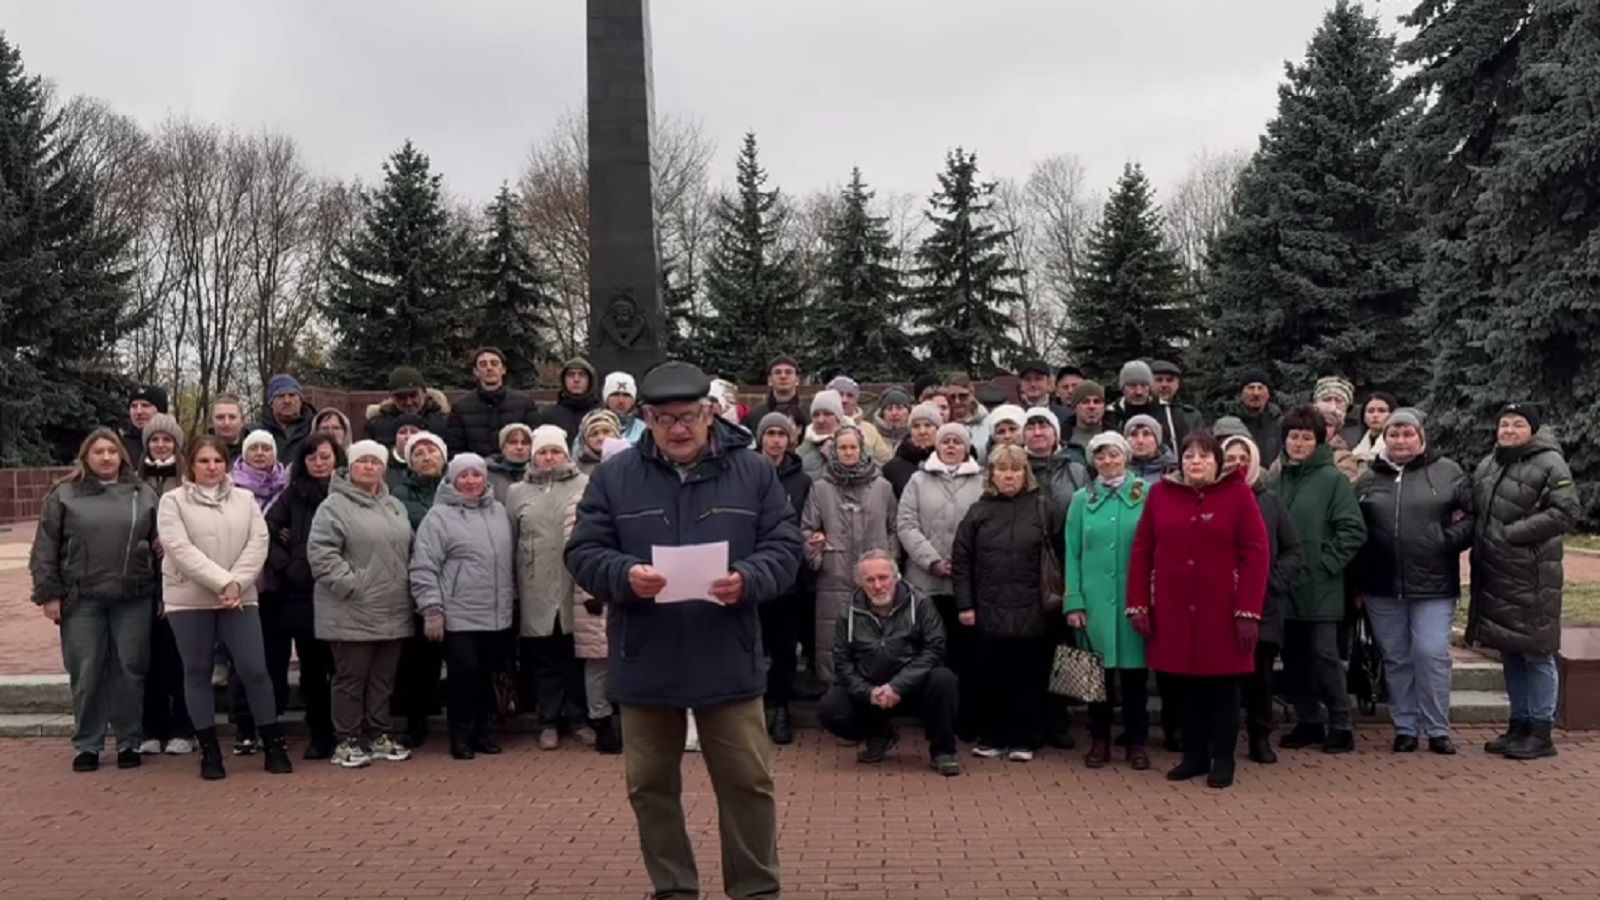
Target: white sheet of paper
689,570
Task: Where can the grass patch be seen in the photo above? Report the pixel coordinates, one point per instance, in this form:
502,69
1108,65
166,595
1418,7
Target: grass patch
1580,605
1584,541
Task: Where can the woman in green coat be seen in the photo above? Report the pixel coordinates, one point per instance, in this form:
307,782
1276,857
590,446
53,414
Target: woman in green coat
1100,528
1328,520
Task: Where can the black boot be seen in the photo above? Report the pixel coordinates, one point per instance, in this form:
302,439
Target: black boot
1533,743
1304,735
210,754
1340,740
779,727
319,747
607,736
484,742
461,745
416,732
276,750
1221,774
1515,729
1260,748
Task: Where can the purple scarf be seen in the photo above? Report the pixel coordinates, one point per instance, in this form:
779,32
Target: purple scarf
264,486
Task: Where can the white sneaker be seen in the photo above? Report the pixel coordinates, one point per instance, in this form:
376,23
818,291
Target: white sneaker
1020,755
179,746
385,747
350,756
984,751
150,747
691,740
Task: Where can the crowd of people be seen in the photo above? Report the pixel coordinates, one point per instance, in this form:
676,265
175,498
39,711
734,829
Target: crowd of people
933,557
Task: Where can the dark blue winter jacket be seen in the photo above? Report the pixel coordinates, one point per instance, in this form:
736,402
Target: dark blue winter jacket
696,653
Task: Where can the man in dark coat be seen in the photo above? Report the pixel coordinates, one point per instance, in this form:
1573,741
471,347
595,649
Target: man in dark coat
1258,413
783,394
1035,387
692,480
580,393
1176,417
288,417
145,402
408,396
781,618
1525,502
476,419
888,653
226,421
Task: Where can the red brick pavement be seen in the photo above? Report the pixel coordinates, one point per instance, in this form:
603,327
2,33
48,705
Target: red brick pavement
535,824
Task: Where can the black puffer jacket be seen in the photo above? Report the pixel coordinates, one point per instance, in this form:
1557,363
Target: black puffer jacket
797,487
435,416
476,419
569,409
1060,476
998,559
288,529
898,649
795,409
1287,556
1419,520
908,458
1525,502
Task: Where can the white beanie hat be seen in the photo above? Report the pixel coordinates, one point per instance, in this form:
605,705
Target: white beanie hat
424,437
954,428
1110,439
927,412
827,401
367,448
259,436
465,462
620,383
511,429
1007,412
549,436
1042,412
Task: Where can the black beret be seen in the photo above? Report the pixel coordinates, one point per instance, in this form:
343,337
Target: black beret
1165,367
1037,366
673,381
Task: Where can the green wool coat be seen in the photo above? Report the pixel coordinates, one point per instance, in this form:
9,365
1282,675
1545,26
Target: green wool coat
1100,527
1328,519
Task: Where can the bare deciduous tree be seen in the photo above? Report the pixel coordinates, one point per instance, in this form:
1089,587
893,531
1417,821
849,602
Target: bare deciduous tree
1200,204
1064,208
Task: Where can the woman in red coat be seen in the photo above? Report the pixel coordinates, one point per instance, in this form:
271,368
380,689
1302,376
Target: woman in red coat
1196,584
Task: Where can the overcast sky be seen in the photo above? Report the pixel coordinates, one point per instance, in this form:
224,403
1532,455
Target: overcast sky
889,85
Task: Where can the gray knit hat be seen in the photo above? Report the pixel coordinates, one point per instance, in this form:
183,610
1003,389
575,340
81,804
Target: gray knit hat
1405,415
161,423
827,401
1230,426
775,420
1144,421
954,428
926,412
1136,371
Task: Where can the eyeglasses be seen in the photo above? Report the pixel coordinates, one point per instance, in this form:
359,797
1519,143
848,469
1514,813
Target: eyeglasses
671,420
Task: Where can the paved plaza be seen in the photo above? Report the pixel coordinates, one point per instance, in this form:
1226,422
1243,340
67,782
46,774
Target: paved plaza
556,824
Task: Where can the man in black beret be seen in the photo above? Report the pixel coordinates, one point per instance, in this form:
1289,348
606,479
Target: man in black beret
692,479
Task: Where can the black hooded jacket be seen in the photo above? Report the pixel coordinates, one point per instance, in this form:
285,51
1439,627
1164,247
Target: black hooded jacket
569,409
1419,520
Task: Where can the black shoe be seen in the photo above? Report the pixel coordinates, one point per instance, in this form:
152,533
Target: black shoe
1406,743
1442,745
877,749
86,761
1340,740
1535,743
416,734
1514,730
319,748
779,728
1304,736
947,765
1186,770
210,754
487,745
461,748
276,750
1261,751
128,759
1221,774
607,736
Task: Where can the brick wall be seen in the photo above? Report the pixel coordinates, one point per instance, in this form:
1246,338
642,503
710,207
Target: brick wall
22,492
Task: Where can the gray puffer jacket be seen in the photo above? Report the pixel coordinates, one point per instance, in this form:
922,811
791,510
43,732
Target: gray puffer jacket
360,553
461,562
94,540
544,511
931,507
1525,501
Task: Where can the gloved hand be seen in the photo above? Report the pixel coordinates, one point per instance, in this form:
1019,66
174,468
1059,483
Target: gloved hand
433,626
1248,631
1142,624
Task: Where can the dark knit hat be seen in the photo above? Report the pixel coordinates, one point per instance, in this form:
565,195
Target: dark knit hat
777,420
405,378
1087,390
895,396
782,359
923,382
1528,411
282,384
1254,376
1069,369
153,394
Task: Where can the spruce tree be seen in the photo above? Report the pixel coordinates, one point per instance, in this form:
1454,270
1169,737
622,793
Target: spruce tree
964,300
513,299
857,317
1314,274
63,282
1132,298
752,285
401,292
1504,162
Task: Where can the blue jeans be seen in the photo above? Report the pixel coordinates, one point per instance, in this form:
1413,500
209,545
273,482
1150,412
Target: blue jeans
1415,638
1531,682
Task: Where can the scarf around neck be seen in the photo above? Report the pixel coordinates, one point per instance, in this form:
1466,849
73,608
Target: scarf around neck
862,472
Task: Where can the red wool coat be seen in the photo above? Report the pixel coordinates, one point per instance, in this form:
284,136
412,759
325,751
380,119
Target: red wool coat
1200,560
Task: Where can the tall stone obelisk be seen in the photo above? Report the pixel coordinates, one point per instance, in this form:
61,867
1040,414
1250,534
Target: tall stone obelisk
626,314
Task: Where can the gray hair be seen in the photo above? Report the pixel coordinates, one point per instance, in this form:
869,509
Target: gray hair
877,555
